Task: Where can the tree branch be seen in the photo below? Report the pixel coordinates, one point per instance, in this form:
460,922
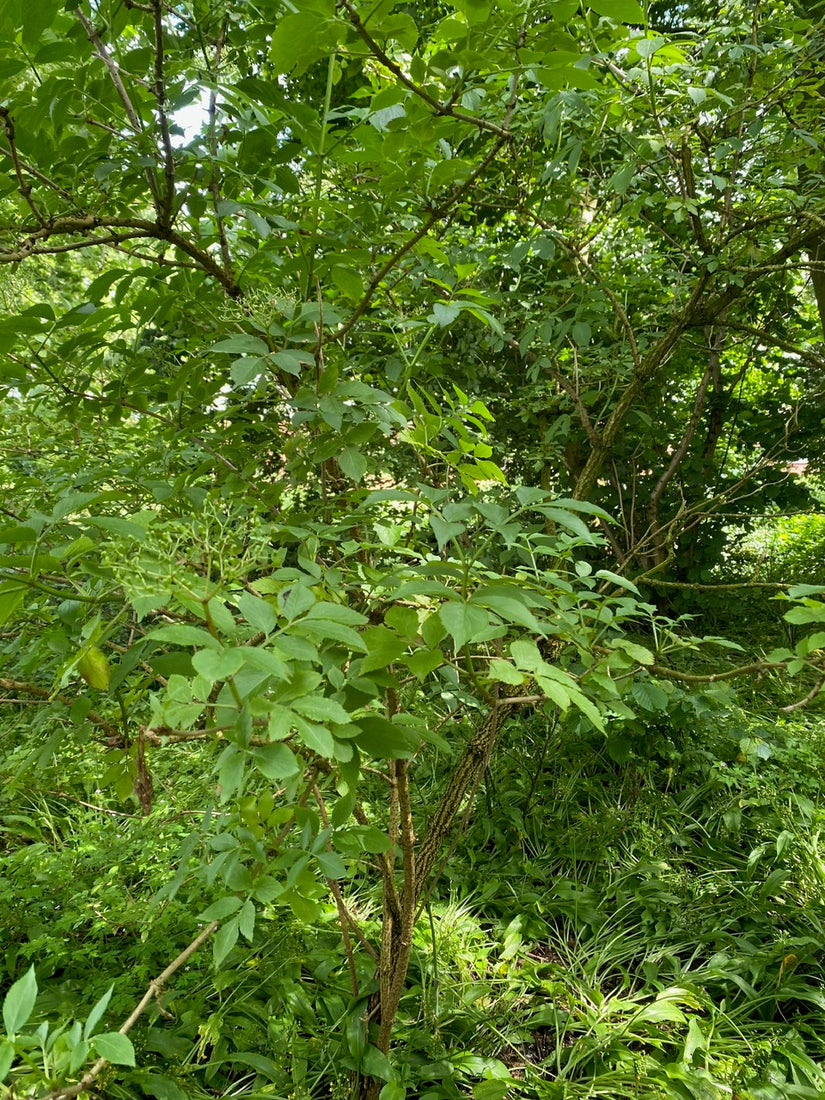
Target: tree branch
443,109
154,991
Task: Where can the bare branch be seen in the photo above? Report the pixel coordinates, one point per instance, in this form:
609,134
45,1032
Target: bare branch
129,107
23,186
165,210
153,992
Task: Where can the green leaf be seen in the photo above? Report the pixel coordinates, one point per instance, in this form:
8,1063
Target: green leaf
7,1053
650,696
315,737
276,761
184,634
293,362
503,672
810,644
242,344
162,1088
526,654
801,615
246,920
444,313
445,531
637,652
221,909
506,606
302,38
423,661
11,597
224,940
319,708
404,620
392,1091
18,1003
216,665
94,668
647,47
258,613
332,865
617,579
383,646
380,738
97,1012
620,11
327,630
115,1048
375,1063
352,463
464,622
230,769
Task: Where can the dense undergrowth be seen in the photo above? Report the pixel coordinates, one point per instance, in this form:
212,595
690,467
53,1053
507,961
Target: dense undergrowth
650,926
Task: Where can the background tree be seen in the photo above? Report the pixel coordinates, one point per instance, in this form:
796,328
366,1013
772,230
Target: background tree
312,316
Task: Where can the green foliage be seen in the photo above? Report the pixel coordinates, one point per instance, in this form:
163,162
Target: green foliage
363,369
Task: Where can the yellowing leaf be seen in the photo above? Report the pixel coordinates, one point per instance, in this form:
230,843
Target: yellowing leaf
94,668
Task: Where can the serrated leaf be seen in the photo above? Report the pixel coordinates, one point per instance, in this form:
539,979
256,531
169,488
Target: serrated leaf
12,594
444,531
276,761
650,696
620,11
315,737
325,630
380,738
526,654
221,909
230,769
184,634
321,709
332,865
503,672
352,463
242,344
302,38
647,47
246,920
618,580
260,614
463,622
638,652
811,643
507,607
216,665
423,661
383,646
444,313
18,1003
801,615
225,939
115,1048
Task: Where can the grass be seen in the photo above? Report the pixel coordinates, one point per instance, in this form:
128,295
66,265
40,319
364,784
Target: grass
645,928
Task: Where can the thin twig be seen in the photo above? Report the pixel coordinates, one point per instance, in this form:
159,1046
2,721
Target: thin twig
153,991
165,209
803,702
129,107
22,185
443,109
